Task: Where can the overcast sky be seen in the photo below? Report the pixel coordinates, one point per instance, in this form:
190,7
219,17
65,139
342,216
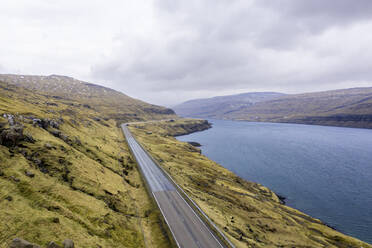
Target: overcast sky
169,51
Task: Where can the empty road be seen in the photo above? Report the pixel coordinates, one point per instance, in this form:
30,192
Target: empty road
188,229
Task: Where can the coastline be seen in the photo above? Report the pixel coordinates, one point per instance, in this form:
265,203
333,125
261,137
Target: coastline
167,150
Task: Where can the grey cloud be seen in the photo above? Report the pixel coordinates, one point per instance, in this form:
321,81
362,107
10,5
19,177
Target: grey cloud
296,19
168,51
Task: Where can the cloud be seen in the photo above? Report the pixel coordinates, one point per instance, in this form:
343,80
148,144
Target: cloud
168,51
217,46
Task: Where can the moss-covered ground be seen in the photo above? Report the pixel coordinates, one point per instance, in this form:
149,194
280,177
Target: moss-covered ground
73,180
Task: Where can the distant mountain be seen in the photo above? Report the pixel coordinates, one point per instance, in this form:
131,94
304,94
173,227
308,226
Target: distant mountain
112,104
220,106
346,107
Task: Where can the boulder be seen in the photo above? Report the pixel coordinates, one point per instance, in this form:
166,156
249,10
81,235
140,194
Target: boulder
55,133
48,146
193,143
53,245
11,120
20,243
29,174
28,138
68,243
54,124
11,136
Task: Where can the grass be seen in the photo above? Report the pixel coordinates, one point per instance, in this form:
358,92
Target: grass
250,214
85,187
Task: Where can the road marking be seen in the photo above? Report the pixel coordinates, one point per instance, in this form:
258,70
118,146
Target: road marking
159,180
170,228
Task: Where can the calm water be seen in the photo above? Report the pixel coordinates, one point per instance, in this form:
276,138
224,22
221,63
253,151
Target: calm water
325,172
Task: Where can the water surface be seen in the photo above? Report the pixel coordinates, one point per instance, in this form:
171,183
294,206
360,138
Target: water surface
325,172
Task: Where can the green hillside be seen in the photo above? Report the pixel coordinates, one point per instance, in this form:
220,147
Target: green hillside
66,172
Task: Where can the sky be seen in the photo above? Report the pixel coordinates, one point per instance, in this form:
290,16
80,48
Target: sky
169,51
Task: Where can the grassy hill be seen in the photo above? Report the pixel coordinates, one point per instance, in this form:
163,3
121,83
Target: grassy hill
346,107
250,214
109,103
66,172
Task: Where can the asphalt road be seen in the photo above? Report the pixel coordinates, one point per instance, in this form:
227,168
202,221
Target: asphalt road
188,229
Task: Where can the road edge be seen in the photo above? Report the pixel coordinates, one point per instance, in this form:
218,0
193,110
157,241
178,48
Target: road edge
210,224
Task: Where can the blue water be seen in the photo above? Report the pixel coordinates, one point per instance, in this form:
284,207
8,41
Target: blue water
325,172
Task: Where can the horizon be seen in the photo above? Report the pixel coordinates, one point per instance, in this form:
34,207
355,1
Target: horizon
188,100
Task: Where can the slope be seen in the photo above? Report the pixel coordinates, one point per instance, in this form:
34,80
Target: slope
110,103
65,172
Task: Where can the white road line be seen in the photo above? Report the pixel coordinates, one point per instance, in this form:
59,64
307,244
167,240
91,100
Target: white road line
165,218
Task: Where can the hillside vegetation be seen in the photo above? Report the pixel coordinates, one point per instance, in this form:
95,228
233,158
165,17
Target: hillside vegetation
66,172
109,103
348,108
250,214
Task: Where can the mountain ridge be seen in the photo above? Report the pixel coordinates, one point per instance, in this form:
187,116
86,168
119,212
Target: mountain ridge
223,104
343,107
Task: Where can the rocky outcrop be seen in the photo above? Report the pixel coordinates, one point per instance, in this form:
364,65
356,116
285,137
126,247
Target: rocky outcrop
68,243
193,143
20,243
10,137
192,127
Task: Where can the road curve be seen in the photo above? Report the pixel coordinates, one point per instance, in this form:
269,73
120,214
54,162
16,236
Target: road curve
187,228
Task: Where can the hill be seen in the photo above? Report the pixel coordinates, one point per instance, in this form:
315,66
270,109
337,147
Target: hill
221,105
346,107
110,103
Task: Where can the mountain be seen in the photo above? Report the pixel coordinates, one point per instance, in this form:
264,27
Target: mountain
110,103
217,107
346,107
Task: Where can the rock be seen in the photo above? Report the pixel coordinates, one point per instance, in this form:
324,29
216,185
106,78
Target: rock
54,124
29,138
20,243
15,179
29,174
55,220
53,245
65,138
77,141
68,243
196,144
51,104
45,123
55,133
11,136
48,146
36,122
11,120
96,119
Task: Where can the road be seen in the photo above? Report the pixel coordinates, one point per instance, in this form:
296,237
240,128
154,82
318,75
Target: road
187,228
